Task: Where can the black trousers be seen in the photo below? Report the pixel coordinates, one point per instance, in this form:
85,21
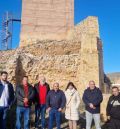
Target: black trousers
114,124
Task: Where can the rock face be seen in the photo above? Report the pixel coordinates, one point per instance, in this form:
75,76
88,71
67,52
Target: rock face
114,77
77,58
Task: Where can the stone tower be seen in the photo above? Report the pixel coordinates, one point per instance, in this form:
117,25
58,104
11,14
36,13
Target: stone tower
46,19
74,53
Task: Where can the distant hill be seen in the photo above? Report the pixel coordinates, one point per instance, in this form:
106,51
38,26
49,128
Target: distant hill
114,77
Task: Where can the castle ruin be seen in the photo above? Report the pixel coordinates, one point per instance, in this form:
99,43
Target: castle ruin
51,45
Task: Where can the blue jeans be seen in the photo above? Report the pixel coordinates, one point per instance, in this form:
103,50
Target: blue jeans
3,114
54,113
26,113
40,110
90,117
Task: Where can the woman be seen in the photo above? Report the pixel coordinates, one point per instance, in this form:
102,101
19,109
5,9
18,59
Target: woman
72,105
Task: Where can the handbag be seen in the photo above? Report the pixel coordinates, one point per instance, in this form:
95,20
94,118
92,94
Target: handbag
70,99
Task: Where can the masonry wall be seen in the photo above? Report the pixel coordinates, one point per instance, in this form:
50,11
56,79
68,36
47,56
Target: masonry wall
78,59
46,19
91,59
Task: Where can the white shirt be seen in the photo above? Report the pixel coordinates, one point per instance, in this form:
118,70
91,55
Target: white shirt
5,95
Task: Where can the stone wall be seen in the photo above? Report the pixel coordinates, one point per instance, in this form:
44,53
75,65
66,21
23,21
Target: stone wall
46,19
78,58
60,66
91,64
4,57
49,21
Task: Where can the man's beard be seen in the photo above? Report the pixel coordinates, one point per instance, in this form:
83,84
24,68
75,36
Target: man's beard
4,80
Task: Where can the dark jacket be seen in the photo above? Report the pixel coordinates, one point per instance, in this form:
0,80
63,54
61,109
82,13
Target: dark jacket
56,99
113,107
10,90
37,92
92,96
20,94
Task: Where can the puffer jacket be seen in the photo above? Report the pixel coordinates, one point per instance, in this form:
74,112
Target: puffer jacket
72,104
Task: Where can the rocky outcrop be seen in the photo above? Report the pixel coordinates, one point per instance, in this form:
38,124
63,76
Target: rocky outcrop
114,77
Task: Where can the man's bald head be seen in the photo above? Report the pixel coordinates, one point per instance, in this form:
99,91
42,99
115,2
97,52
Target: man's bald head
56,86
92,84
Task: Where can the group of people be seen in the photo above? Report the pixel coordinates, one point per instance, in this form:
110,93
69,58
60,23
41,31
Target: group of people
55,102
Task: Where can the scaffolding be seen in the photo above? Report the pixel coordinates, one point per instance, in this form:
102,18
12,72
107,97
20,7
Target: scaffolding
6,33
7,30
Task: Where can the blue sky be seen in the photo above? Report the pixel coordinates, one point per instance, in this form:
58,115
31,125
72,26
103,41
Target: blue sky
108,12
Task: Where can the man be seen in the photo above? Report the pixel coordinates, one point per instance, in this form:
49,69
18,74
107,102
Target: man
92,98
55,104
113,109
24,96
41,91
6,98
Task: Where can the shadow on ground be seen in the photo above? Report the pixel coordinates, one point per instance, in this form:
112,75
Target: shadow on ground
11,119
